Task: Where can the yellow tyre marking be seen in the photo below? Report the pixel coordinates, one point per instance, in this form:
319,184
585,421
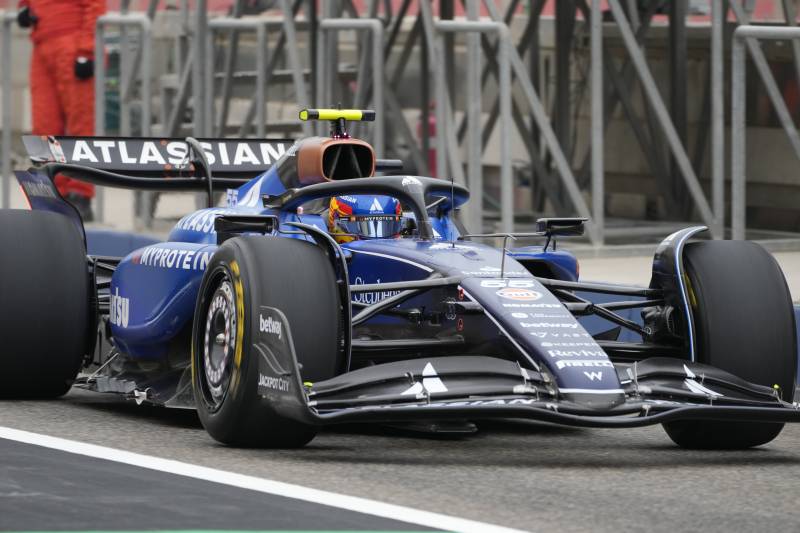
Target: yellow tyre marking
239,289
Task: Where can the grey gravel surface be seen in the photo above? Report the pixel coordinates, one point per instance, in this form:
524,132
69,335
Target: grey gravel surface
518,474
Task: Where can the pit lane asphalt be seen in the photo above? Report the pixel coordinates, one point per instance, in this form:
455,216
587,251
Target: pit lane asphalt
524,475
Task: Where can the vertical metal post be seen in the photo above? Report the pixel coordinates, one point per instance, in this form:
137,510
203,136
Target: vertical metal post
377,82
718,12
790,13
738,133
565,28
199,90
678,10
473,211
294,56
125,74
147,55
504,88
425,101
261,44
440,90
145,45
99,107
6,139
447,12
598,179
313,35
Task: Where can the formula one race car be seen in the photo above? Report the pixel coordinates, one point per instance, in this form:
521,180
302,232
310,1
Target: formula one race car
324,294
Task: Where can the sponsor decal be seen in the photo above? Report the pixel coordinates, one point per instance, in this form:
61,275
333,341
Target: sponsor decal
482,274
201,221
271,326
269,382
575,353
513,293
540,315
571,344
370,298
516,283
38,189
430,383
233,197
533,306
410,180
466,403
174,153
162,257
559,335
583,363
120,309
546,325
594,376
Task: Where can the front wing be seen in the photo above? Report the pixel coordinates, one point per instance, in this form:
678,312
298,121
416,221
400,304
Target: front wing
653,391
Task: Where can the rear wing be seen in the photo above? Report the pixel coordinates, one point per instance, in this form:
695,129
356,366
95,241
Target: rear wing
155,157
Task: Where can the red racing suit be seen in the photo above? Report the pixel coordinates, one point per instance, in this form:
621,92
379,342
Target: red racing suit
63,104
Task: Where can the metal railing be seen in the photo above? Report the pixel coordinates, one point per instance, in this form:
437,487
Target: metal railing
265,61
128,76
517,102
748,36
325,70
474,215
5,65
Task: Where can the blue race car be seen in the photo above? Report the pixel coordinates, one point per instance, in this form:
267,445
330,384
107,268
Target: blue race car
325,294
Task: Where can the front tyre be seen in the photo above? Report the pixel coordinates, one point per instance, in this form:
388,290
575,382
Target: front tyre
744,324
244,274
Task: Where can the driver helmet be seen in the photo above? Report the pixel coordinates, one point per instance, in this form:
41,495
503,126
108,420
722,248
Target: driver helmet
364,217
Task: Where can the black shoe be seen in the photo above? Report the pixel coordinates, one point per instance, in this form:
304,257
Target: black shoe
83,204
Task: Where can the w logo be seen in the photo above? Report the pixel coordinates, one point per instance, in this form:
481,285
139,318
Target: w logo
375,207
594,376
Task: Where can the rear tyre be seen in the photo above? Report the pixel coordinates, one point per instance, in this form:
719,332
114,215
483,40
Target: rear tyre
45,298
244,274
744,323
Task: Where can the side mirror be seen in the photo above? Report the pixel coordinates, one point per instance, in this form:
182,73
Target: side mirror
560,227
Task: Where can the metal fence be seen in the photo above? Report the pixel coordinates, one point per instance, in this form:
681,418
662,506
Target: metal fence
502,86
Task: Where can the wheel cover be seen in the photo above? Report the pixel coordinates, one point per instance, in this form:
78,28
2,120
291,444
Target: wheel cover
219,342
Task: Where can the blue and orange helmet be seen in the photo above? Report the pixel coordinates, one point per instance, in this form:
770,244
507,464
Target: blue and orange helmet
364,217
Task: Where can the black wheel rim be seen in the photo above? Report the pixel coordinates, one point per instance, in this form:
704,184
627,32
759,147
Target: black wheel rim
219,343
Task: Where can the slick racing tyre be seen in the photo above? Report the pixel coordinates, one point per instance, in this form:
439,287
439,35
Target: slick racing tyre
744,322
45,297
245,275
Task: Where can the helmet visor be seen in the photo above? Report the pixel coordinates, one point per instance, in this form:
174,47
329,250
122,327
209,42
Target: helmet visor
372,226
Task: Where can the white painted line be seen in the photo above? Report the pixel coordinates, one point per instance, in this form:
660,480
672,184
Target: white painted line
277,488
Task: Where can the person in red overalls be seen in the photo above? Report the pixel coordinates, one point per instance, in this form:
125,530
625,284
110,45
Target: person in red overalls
62,68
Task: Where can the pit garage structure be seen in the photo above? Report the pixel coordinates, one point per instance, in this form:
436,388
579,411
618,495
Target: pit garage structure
477,67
